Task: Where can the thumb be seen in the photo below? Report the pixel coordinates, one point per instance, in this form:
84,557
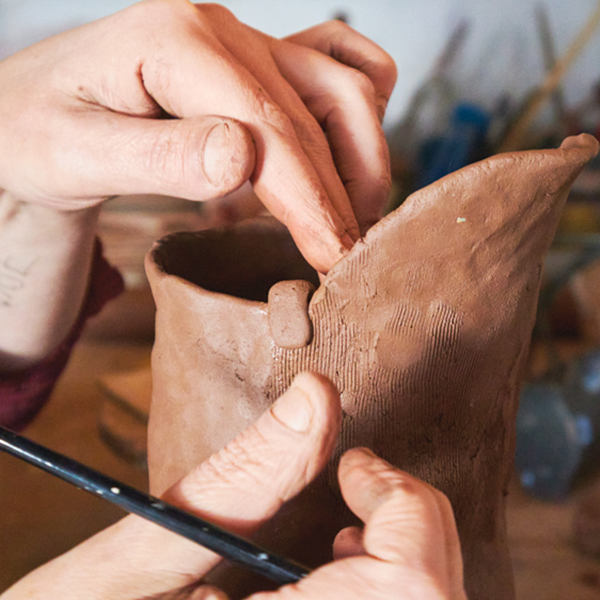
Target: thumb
194,591
197,158
238,488
268,463
243,485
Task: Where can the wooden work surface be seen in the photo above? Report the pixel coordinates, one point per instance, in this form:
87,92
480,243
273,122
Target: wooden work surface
42,517
546,564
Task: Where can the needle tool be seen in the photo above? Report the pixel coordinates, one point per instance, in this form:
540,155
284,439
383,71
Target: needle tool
230,546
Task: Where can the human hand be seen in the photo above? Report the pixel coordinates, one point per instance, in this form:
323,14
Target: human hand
409,547
238,488
172,98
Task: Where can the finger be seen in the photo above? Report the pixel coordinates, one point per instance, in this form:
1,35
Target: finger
348,542
407,521
239,488
255,466
207,592
284,177
245,484
199,158
254,47
343,101
347,46
452,545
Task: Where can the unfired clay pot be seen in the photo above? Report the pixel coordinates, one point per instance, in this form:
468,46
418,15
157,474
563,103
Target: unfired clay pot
424,327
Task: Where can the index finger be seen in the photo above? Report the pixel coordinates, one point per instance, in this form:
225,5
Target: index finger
284,178
407,521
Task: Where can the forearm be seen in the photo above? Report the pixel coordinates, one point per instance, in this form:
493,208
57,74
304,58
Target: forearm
45,258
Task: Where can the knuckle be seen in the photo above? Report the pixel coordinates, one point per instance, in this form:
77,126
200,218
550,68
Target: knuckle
359,83
150,9
387,74
335,28
388,67
157,79
381,65
270,113
216,11
176,16
376,60
235,462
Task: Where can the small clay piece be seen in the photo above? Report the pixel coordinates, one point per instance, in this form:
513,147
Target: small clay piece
288,314
424,327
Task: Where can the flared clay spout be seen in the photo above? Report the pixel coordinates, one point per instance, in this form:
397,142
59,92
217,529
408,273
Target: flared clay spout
424,327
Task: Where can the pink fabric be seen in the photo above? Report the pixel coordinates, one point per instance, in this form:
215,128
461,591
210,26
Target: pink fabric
24,393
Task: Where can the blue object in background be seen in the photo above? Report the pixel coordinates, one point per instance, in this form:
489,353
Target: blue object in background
464,143
582,382
551,438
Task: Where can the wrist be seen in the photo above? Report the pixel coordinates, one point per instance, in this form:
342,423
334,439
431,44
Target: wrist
45,257
44,225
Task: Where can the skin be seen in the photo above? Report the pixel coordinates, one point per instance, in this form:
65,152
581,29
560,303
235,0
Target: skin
408,548
171,98
168,97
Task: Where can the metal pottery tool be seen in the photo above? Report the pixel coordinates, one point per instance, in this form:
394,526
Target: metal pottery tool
230,546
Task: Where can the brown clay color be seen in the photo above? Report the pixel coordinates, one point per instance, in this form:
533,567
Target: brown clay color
424,327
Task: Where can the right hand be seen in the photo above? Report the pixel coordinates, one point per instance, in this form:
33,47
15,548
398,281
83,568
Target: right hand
168,97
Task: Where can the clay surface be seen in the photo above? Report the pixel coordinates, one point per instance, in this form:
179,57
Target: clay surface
424,327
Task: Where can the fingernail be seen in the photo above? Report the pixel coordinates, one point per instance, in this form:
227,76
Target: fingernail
294,409
217,147
208,593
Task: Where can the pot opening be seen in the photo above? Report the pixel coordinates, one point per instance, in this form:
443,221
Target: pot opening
243,261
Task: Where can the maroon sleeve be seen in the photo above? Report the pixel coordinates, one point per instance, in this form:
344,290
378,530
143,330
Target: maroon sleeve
24,393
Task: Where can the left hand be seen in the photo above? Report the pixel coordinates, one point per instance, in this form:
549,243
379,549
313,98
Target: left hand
168,97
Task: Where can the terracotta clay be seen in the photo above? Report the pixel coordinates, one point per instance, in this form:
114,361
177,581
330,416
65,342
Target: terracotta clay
424,327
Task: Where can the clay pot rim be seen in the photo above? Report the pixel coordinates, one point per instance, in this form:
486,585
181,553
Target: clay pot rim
584,143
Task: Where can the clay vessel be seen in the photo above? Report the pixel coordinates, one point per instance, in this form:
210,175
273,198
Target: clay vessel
424,327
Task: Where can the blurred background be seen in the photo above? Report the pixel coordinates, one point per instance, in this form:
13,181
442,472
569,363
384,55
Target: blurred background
474,78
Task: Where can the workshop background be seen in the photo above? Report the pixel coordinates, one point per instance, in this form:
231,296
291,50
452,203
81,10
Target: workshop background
474,78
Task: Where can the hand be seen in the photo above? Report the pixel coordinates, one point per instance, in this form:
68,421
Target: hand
409,548
167,97
172,98
238,488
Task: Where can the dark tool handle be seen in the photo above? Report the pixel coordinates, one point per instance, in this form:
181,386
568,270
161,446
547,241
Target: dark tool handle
235,548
